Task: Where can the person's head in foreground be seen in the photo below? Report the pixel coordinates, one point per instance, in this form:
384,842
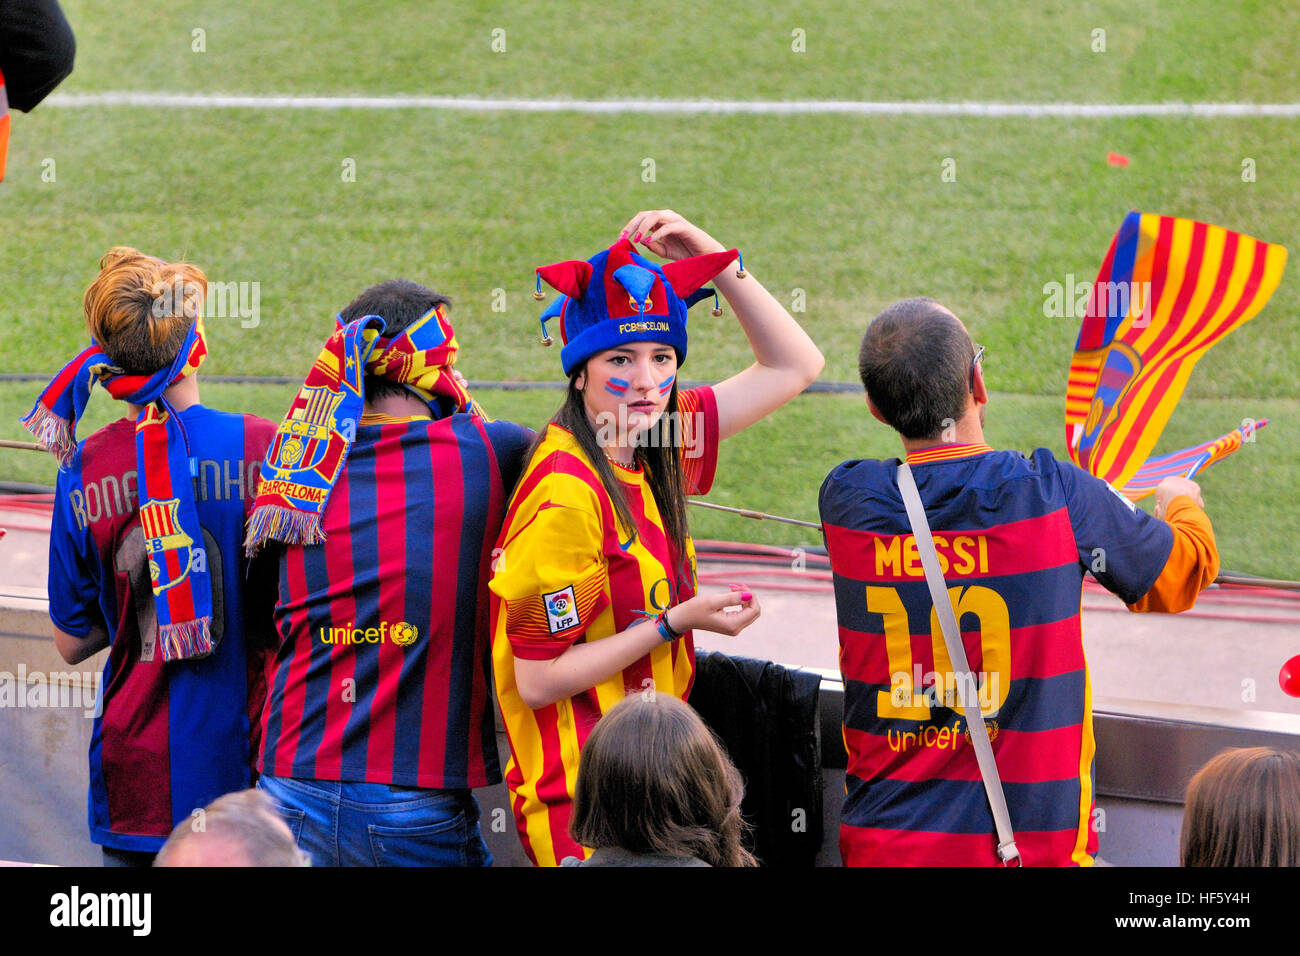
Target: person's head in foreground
239,829
140,308
1243,809
922,374
654,781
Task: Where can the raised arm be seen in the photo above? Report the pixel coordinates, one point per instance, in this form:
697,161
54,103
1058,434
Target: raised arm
786,360
1194,559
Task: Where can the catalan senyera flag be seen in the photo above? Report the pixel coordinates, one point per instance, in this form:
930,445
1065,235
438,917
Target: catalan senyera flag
1190,460
1168,289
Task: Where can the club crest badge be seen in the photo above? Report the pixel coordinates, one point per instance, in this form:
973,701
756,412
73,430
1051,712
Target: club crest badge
162,533
303,440
404,634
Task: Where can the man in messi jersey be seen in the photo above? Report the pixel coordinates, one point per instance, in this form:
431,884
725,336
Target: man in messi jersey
178,727
1014,536
379,718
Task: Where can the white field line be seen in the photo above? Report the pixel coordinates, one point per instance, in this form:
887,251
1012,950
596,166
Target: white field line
689,107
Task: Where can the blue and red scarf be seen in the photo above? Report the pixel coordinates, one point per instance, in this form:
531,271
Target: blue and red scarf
173,538
312,443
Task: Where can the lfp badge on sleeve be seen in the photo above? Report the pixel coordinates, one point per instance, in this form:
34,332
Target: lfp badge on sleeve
561,609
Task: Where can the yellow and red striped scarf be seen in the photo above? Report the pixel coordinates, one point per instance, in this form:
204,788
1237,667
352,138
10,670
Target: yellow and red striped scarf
312,443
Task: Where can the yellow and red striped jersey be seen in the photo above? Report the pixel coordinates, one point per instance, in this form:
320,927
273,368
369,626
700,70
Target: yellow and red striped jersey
566,572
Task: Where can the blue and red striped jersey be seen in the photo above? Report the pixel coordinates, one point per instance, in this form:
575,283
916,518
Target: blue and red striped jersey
172,737
383,674
1014,536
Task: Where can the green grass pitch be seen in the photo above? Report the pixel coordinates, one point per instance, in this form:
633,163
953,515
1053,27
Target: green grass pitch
838,215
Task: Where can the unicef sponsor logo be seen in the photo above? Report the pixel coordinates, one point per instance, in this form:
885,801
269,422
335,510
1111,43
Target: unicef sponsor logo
401,634
404,634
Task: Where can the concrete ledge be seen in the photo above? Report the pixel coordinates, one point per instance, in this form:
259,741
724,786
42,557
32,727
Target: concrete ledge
1146,753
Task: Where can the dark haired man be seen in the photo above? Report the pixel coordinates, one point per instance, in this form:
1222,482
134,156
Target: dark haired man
389,487
1013,537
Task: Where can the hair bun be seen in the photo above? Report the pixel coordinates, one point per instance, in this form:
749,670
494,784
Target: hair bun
118,254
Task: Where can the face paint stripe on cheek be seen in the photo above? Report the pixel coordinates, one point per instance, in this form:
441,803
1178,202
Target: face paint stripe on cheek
666,385
616,386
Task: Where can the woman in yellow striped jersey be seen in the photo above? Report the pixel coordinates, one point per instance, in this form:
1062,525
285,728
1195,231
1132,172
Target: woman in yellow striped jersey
594,585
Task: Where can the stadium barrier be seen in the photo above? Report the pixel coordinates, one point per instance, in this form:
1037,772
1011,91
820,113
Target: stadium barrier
1146,753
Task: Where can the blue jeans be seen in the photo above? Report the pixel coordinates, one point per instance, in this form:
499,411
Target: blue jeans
373,824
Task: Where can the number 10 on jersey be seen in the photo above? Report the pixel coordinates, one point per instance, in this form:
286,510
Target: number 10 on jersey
904,700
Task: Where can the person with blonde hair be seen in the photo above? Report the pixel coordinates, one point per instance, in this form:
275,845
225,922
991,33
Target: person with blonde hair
1243,809
656,788
146,557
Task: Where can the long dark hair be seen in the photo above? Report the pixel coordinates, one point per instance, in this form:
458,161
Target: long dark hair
658,452
1243,809
653,778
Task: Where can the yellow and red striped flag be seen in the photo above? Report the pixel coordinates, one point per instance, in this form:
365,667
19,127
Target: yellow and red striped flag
1189,461
1168,289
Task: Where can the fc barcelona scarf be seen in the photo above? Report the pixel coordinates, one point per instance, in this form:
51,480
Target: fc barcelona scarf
173,538
312,444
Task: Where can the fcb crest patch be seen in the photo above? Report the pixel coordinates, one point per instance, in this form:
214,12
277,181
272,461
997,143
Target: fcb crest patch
561,610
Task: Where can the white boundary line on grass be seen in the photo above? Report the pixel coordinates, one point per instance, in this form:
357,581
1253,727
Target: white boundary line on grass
688,107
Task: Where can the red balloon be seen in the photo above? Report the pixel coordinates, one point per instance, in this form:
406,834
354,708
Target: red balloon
1289,677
